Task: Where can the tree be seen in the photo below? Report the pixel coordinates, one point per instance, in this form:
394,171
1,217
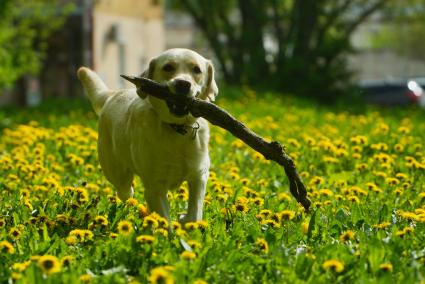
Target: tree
293,45
24,29
404,29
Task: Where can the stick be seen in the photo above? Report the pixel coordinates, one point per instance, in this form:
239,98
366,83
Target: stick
199,108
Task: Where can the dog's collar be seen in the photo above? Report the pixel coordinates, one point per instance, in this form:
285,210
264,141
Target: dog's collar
183,128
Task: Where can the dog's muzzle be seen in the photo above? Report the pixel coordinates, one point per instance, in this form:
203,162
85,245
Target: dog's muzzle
181,88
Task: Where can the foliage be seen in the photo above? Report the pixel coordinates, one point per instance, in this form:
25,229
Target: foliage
61,223
404,29
24,29
295,46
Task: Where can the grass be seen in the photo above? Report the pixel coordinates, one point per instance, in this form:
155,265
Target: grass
61,223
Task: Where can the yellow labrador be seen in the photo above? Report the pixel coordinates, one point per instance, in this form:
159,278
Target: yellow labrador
140,134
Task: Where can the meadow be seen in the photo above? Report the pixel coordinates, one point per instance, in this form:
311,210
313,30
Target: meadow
60,221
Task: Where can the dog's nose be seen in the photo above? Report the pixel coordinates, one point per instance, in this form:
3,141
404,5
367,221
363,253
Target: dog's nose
182,87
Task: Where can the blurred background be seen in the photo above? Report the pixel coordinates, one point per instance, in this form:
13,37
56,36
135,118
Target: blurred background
328,50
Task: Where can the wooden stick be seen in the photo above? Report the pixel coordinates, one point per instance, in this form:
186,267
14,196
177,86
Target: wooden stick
199,108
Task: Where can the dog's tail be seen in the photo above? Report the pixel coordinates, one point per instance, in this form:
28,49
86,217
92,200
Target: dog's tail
94,87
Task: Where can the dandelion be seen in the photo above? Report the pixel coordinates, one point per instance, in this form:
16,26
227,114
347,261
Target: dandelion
271,223
15,233
49,264
145,239
101,221
162,232
346,236
382,225
86,278
143,210
202,224
387,267
191,226
353,199
150,221
287,215
125,227
67,260
21,266
6,247
131,202
333,265
284,197
194,244
262,245
188,255
160,275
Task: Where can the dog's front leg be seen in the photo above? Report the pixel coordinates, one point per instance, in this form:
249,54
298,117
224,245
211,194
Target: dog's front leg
197,187
157,201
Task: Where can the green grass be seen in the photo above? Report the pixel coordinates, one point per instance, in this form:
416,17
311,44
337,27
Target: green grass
364,170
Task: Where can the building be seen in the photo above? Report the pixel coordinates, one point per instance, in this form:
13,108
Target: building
111,36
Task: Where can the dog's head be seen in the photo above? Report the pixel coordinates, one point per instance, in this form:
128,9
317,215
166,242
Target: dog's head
187,73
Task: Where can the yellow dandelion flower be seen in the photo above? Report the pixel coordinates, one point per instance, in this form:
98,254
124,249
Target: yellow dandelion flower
150,221
333,265
86,278
191,226
199,281
387,267
145,239
67,260
382,225
202,224
262,245
287,215
21,266
408,215
160,275
241,207
194,244
161,231
15,233
131,202
188,255
6,247
125,227
346,236
49,264
176,225
101,221
283,196
353,199
143,210
271,223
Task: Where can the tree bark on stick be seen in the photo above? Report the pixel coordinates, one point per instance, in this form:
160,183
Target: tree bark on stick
199,108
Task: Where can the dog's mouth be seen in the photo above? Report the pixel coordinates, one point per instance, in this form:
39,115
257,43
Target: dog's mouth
177,109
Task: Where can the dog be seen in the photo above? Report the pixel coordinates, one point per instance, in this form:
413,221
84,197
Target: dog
143,135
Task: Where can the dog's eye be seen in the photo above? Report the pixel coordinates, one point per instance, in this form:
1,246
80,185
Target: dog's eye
168,68
197,70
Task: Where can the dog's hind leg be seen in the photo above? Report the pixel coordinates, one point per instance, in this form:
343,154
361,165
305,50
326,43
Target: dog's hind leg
120,177
122,180
157,200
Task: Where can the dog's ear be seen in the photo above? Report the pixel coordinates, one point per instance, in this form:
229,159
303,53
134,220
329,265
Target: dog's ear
148,73
211,89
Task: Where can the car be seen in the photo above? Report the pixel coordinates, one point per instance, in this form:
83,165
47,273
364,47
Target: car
394,91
